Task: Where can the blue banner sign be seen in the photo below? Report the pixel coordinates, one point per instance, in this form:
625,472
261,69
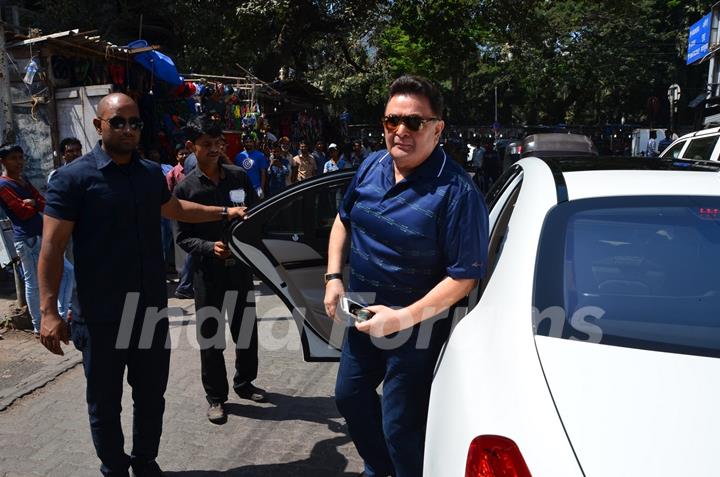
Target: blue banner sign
699,39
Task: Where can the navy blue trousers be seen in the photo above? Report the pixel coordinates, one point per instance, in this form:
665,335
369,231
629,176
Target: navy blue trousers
389,432
147,374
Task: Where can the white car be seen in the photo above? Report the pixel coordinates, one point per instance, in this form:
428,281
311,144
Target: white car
623,383
699,145
593,348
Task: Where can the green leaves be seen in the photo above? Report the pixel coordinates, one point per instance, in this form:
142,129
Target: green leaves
552,61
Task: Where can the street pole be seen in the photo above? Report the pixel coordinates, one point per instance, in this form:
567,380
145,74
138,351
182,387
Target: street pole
7,131
496,116
672,115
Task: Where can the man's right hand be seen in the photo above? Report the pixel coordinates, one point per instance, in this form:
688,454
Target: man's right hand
53,330
221,250
334,290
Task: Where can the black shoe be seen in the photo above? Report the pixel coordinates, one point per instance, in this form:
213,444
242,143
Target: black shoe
183,296
148,469
216,413
253,393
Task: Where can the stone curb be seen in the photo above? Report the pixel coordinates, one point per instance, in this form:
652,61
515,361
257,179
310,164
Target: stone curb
39,379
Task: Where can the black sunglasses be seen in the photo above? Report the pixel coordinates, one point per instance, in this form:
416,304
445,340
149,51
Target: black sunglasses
118,123
413,122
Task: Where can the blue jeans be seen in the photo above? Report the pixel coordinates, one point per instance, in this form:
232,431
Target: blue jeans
29,252
389,432
185,284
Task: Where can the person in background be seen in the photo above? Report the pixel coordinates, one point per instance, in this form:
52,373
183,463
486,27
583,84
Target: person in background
70,149
166,227
303,165
652,149
666,141
334,162
184,289
287,155
23,205
357,155
319,155
255,164
223,152
278,172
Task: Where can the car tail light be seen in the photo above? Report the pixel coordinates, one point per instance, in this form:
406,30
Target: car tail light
495,456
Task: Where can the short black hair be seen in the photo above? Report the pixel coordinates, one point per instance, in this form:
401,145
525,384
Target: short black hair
67,141
6,151
417,85
201,125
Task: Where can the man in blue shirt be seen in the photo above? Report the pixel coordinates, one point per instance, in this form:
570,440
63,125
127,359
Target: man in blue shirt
417,230
255,164
111,201
319,155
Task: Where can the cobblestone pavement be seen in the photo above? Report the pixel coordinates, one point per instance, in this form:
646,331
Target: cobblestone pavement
297,433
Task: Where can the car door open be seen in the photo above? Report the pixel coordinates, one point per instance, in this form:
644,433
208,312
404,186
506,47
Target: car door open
285,240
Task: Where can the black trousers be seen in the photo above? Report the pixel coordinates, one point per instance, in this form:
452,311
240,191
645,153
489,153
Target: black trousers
214,284
147,361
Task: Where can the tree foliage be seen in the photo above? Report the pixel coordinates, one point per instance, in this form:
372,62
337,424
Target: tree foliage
574,61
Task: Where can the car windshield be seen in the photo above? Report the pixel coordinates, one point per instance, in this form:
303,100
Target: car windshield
641,272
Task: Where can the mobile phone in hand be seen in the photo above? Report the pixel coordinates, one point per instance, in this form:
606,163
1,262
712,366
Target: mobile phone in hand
358,312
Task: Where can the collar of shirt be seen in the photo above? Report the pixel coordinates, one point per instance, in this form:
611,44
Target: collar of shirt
102,159
430,168
201,175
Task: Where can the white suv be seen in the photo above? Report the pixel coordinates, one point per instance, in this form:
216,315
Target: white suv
700,145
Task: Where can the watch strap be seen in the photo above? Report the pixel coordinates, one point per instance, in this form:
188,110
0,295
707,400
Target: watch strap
333,276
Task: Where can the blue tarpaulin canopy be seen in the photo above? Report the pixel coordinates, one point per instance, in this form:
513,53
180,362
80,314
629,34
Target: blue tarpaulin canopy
161,65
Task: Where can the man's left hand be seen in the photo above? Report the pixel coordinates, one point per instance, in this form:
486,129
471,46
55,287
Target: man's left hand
385,321
236,213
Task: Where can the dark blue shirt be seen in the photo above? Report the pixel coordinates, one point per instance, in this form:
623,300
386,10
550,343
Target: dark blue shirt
409,236
190,163
116,238
253,162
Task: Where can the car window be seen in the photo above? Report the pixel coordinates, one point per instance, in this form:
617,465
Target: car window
700,149
286,220
674,152
640,272
499,233
326,203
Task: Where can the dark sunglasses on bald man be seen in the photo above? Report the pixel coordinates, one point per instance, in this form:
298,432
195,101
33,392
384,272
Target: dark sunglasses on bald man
118,123
412,122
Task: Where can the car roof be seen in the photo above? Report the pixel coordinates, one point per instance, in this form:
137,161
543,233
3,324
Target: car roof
606,163
584,177
557,144
704,132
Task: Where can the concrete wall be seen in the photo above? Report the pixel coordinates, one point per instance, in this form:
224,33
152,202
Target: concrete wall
32,128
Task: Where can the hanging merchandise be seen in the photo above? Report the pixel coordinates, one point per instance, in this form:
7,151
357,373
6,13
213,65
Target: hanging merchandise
30,71
117,73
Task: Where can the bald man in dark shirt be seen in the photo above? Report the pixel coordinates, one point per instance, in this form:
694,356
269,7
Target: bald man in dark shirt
110,201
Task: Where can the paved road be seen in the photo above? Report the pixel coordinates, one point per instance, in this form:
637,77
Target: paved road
297,433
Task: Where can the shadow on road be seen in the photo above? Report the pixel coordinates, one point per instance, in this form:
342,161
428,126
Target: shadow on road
324,461
320,410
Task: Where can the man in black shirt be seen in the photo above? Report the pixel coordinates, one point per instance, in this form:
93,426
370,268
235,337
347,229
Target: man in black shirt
218,275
